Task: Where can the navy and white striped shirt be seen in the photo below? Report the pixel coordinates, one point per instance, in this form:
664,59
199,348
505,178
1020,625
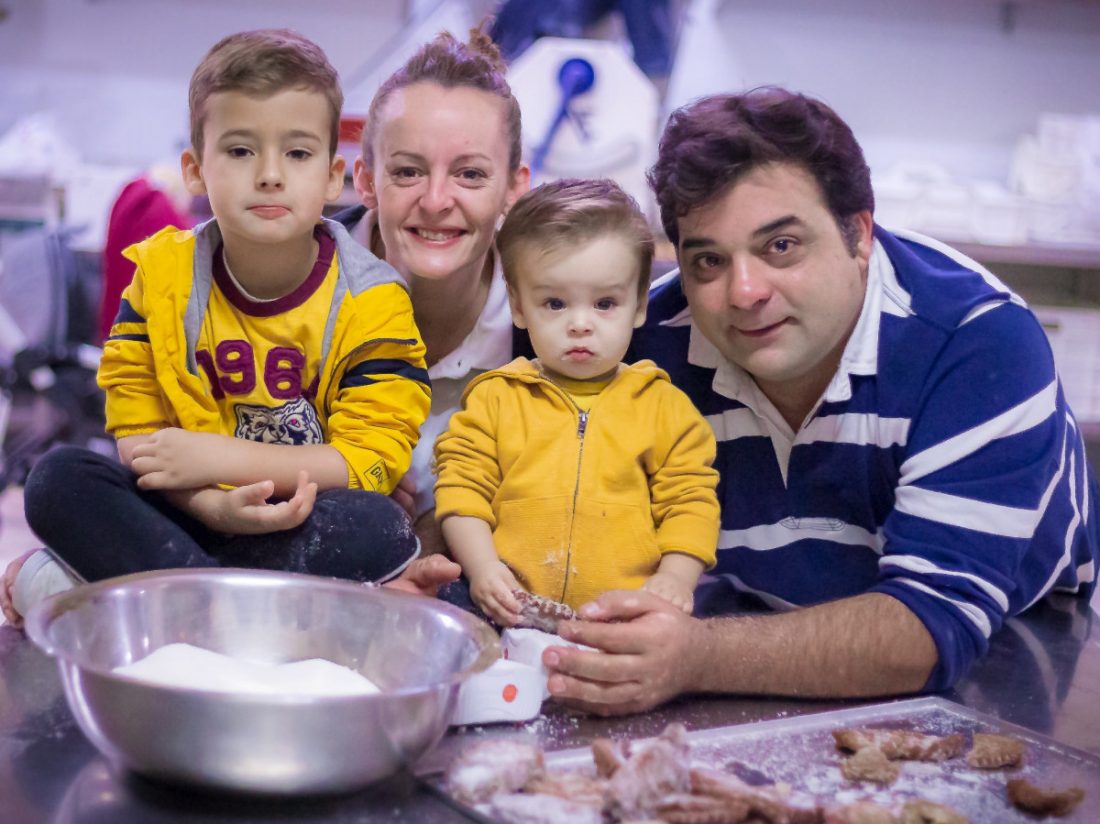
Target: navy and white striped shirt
942,465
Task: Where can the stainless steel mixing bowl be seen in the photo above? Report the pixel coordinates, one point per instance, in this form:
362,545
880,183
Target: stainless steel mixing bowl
418,650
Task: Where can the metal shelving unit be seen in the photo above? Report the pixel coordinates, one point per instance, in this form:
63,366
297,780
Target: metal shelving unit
1061,255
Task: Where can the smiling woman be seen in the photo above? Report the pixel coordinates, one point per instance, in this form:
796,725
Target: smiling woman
440,167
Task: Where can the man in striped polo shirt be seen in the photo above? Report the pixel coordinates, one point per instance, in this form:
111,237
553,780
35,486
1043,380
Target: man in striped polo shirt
897,457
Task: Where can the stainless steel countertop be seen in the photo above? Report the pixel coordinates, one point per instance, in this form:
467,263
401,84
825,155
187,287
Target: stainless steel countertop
1042,672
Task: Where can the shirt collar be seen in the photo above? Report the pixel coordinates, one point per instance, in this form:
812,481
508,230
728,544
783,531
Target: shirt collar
861,352
489,343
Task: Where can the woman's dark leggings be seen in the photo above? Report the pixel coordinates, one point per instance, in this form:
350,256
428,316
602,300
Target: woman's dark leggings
88,509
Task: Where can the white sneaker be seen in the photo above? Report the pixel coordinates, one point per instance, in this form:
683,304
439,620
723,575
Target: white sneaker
41,576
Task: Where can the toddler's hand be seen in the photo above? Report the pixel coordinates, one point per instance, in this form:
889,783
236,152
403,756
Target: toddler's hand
672,590
491,588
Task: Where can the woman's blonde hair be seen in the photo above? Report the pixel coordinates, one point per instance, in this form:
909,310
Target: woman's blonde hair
444,61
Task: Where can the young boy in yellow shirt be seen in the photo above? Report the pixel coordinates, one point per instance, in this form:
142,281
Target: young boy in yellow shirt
574,473
265,379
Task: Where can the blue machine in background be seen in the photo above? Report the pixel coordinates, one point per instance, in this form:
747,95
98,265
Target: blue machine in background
519,23
576,76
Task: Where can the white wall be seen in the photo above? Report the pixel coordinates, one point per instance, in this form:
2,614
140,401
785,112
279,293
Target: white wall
943,80
939,79
115,72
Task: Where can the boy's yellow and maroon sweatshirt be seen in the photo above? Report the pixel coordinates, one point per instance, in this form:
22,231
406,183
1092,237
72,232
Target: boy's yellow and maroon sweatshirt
339,361
581,503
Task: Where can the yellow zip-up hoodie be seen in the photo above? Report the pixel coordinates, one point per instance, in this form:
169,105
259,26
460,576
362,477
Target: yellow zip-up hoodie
581,503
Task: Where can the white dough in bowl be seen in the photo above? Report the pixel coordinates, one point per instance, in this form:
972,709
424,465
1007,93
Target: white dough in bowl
184,665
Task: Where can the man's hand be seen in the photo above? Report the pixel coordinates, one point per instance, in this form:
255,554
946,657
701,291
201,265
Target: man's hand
672,589
425,576
860,647
650,651
246,511
491,588
6,584
177,459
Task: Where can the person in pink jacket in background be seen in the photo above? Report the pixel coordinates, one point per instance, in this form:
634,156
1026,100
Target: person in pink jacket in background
143,208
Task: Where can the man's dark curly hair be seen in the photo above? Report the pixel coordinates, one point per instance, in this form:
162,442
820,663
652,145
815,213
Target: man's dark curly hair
711,143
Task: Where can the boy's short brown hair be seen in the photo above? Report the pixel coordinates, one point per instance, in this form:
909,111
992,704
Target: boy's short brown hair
262,63
567,212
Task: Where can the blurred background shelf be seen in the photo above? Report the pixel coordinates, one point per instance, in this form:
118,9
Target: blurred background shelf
1066,255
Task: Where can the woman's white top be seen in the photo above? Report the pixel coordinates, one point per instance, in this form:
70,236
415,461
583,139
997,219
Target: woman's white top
488,346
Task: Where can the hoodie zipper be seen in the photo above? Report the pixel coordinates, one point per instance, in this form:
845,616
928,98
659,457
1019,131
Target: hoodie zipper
582,427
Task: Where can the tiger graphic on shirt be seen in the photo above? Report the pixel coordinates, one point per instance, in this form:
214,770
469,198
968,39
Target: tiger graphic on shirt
294,422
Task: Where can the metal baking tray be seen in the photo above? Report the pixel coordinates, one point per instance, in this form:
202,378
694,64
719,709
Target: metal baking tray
800,751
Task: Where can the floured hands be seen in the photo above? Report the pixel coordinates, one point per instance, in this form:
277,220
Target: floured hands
491,588
674,590
650,652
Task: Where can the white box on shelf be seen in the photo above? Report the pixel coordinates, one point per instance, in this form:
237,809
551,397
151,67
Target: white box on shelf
29,199
999,216
1074,335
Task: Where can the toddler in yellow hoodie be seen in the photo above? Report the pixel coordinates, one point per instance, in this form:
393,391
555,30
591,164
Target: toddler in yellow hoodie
575,473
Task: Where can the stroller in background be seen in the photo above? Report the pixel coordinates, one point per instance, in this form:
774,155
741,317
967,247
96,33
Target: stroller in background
48,393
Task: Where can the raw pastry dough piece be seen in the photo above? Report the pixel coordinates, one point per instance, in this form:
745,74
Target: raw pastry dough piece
1025,795
573,786
490,768
541,613
682,808
992,752
771,802
901,745
609,755
928,812
870,764
654,769
860,812
535,808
